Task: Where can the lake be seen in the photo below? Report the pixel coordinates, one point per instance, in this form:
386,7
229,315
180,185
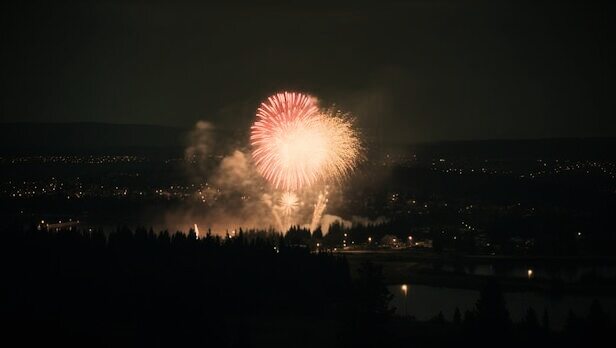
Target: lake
425,302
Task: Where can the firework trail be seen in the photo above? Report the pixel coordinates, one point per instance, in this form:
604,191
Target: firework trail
317,213
267,199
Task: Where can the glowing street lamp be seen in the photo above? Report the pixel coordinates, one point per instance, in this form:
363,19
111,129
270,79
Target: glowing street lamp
530,273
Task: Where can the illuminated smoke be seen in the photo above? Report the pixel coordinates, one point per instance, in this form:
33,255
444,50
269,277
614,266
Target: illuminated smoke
298,147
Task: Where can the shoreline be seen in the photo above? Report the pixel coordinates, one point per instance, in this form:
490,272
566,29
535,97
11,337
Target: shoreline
402,268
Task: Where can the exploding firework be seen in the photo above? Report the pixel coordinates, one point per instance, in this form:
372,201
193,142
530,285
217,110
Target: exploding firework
288,203
295,144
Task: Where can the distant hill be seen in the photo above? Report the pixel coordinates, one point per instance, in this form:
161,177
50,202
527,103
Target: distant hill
511,149
556,148
88,138
103,138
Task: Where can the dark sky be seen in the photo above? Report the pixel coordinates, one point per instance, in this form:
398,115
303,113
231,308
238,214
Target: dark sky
409,71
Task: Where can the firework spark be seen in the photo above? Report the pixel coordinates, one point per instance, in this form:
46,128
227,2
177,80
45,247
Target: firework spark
295,144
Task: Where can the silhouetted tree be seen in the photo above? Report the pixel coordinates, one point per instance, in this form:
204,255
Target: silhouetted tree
439,318
124,289
457,317
574,323
317,234
598,319
530,320
372,294
545,320
492,313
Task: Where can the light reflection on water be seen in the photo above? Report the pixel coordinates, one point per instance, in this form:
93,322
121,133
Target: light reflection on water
566,274
425,302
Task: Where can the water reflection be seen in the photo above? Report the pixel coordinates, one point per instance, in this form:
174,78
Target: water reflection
568,274
425,302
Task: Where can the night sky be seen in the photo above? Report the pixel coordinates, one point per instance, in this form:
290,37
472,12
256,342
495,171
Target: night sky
409,71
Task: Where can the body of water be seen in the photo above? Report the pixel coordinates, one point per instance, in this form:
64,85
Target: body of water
425,302
565,273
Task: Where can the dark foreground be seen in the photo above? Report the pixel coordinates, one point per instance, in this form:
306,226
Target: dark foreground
138,288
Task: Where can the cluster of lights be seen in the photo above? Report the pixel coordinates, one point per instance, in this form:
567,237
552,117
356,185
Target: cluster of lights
544,168
75,159
468,226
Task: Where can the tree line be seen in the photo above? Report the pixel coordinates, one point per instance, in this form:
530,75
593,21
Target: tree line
142,288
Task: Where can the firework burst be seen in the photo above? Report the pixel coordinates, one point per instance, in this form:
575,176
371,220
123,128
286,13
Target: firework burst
295,144
288,203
